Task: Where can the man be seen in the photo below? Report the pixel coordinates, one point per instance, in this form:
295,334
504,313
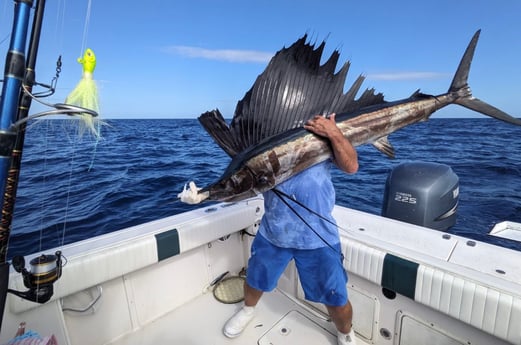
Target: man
312,241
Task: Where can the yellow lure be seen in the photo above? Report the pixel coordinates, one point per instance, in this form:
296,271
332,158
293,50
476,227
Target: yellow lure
85,94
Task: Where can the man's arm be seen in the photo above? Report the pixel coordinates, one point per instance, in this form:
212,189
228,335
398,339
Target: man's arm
345,156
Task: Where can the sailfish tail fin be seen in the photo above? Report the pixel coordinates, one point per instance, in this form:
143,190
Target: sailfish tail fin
460,86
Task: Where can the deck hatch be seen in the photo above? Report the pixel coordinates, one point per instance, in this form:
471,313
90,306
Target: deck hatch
296,328
415,331
399,275
167,244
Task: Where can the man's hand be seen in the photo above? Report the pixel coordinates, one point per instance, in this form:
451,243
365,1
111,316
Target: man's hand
323,126
344,154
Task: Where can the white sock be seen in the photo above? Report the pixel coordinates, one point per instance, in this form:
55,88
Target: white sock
351,333
248,309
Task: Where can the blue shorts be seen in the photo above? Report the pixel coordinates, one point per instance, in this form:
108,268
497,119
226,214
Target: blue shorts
320,270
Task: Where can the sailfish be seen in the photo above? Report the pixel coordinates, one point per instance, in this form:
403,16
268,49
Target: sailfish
266,139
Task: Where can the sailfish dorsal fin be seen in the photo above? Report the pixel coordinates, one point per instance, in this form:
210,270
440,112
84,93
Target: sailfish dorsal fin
292,89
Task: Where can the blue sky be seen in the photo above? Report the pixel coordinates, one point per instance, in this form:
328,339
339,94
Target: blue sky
178,59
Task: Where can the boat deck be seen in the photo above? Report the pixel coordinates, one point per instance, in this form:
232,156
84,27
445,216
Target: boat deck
407,285
279,320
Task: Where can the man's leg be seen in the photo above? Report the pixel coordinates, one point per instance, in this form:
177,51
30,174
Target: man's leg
251,295
342,317
238,322
265,266
323,279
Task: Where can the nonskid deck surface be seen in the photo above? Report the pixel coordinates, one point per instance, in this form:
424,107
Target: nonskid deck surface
278,321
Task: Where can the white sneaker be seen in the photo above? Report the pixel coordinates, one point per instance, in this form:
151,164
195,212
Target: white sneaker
238,322
346,339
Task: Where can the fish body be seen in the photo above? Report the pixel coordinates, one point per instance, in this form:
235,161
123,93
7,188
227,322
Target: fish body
272,159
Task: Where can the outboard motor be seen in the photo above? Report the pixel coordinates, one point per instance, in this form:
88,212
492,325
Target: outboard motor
422,193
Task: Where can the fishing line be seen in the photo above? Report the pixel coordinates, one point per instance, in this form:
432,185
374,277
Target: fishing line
67,200
44,181
83,47
4,39
43,204
283,195
4,18
86,27
309,209
98,129
60,24
67,109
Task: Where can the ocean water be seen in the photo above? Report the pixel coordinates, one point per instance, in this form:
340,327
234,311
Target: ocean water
72,188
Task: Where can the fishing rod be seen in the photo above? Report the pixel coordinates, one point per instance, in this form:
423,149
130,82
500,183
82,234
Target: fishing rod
24,103
11,90
17,96
48,267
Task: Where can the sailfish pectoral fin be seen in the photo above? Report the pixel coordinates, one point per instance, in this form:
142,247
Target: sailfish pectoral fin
383,145
213,122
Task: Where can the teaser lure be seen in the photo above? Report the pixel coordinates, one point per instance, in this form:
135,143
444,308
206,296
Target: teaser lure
85,94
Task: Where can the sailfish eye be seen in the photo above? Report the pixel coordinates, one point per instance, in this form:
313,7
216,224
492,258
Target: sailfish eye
262,180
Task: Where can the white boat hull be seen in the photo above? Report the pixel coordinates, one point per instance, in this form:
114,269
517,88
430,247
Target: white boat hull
154,285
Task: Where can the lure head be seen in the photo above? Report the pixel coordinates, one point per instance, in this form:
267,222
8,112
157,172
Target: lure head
88,61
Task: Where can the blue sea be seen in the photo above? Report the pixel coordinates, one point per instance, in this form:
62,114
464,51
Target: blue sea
72,187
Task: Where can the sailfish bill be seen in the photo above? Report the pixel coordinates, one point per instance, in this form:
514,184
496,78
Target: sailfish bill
266,138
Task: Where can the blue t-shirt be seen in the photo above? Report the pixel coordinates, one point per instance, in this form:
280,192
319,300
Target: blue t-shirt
282,227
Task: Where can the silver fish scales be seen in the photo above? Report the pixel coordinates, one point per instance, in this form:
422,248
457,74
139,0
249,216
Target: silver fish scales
266,139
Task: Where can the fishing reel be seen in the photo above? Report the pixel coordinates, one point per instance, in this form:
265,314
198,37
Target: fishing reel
45,270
